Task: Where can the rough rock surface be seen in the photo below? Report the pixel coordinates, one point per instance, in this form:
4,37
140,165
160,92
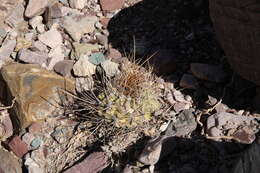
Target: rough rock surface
35,90
35,7
9,163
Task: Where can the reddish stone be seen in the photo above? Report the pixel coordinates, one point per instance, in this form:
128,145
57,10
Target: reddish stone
110,5
114,54
104,21
35,127
94,163
18,146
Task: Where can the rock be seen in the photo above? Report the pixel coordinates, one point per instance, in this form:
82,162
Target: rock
9,163
51,38
96,58
114,54
188,81
185,123
180,106
54,11
244,135
35,7
61,134
228,124
36,143
16,16
6,126
83,67
30,36
56,54
3,32
64,67
22,43
104,21
76,26
35,21
208,72
178,96
84,84
28,56
94,163
35,127
65,11
152,151
1,63
110,68
164,62
28,138
40,46
41,28
78,4
111,5
36,91
102,39
32,166
18,146
6,49
82,49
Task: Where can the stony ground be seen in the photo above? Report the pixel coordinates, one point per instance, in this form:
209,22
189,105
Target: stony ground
50,54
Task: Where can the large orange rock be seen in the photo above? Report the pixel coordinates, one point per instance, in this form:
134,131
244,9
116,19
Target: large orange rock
37,92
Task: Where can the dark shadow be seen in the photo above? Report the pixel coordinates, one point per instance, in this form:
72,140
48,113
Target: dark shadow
178,33
190,156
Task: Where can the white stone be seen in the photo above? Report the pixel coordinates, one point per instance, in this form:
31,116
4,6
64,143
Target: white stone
51,38
56,55
32,166
78,4
35,21
111,68
35,7
41,28
6,49
76,26
83,67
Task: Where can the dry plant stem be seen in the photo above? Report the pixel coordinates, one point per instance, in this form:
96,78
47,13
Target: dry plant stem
8,107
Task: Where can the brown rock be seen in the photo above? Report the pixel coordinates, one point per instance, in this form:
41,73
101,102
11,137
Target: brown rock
18,146
35,7
36,91
64,67
110,5
94,163
9,163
